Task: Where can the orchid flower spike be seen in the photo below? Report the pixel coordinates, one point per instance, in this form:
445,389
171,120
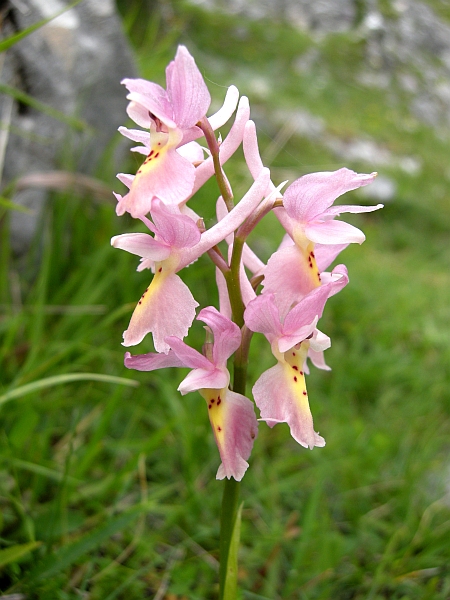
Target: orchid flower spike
280,392
231,415
167,307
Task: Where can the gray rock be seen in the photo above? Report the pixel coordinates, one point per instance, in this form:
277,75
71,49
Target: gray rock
73,64
322,16
382,189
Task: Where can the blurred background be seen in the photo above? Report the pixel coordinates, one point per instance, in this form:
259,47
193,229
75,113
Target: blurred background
107,476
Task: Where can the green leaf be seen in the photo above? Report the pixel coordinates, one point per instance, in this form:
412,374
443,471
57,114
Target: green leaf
9,555
41,470
44,108
13,39
13,206
29,388
69,554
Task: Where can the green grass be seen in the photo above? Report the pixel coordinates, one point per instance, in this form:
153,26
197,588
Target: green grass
108,491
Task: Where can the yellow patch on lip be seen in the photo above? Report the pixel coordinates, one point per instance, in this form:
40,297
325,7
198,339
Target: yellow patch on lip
152,161
294,373
307,249
312,264
161,143
214,401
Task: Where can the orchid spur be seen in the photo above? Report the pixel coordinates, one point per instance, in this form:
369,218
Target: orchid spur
231,415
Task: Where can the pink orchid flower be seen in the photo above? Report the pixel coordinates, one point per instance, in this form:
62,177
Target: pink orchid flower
167,307
308,217
171,115
231,415
280,392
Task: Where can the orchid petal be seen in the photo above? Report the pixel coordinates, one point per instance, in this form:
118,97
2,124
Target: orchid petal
318,360
235,428
334,232
139,115
199,379
326,254
140,149
192,151
177,230
152,361
126,179
169,177
262,315
312,194
157,107
289,277
319,342
137,135
335,211
282,399
227,335
291,338
189,356
186,90
166,308
142,245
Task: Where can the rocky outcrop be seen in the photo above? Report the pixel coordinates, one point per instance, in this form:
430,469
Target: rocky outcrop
74,65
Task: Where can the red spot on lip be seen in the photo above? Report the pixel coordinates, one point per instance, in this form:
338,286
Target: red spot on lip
310,265
156,155
160,270
301,372
209,406
218,401
295,379
140,302
304,393
212,401
295,368
219,429
151,153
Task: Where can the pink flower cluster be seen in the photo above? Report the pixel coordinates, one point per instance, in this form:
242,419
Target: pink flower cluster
295,283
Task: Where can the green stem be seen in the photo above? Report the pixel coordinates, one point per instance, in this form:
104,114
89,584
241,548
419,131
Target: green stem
228,560
213,146
230,517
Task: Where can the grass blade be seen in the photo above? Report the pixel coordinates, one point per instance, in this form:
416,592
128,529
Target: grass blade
13,39
29,388
9,555
41,107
